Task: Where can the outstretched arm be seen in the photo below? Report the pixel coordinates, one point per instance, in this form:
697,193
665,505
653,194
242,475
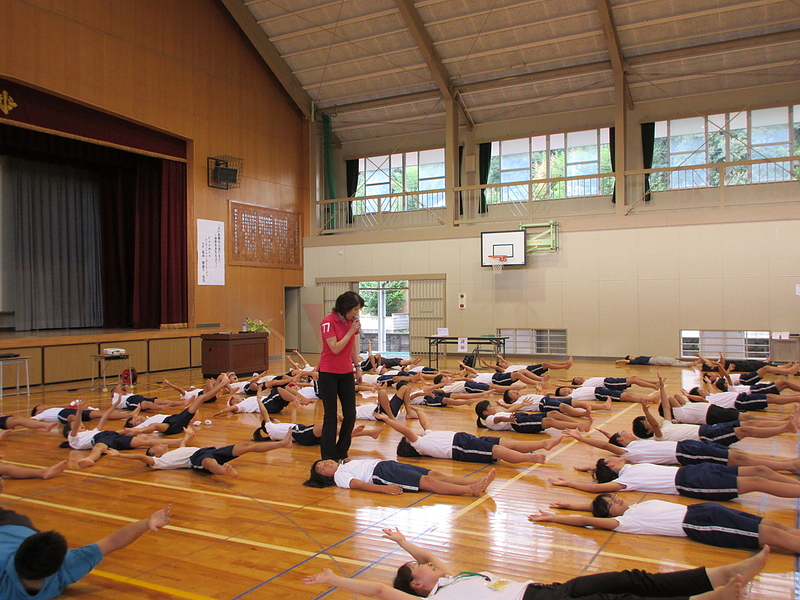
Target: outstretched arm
372,589
421,555
666,407
590,441
574,520
595,488
130,533
651,419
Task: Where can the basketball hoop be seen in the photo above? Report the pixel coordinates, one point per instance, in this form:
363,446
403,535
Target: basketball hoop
497,260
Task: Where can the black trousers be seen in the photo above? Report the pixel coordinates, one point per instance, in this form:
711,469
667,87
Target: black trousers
329,387
625,585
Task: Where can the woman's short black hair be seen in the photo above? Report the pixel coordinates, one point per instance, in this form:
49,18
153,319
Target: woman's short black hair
259,435
603,473
40,555
404,579
616,440
506,397
480,408
601,506
406,450
400,384
347,302
438,379
557,393
721,384
639,429
316,480
695,391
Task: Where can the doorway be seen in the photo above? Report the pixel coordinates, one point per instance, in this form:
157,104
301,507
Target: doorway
384,318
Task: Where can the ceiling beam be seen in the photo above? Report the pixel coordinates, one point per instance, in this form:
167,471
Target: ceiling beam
270,55
425,45
614,49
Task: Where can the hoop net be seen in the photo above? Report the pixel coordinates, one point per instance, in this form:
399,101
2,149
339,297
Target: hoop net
497,260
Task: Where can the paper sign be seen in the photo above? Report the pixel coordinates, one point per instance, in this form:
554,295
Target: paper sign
462,344
442,332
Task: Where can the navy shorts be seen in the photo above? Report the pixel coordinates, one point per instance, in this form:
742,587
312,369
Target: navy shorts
392,362
114,440
435,399
429,371
274,403
394,405
717,525
745,401
721,433
366,365
750,378
475,387
549,403
303,435
616,383
707,481
717,414
768,387
176,423
603,393
528,422
134,400
65,414
390,472
221,455
502,379
537,370
692,452
470,448
3,421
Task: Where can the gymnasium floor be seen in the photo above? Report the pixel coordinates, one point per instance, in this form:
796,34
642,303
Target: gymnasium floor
257,536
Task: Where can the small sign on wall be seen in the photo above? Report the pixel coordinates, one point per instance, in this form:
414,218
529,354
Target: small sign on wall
210,252
462,344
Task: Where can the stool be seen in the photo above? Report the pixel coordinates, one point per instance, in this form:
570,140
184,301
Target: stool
16,360
104,359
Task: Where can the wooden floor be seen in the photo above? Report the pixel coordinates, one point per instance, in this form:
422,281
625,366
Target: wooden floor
255,537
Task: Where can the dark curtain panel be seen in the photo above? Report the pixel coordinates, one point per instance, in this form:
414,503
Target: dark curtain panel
484,161
142,217
460,194
351,168
174,252
612,145
648,142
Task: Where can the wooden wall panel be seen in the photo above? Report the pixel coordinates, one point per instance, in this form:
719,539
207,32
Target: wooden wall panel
183,67
68,363
169,354
137,351
196,351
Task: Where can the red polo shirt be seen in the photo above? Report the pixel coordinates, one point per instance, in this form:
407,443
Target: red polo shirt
335,326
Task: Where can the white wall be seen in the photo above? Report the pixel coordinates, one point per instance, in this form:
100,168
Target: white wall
617,292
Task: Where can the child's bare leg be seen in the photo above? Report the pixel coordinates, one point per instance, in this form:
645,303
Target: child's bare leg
745,431
574,411
439,483
181,391
94,455
18,472
358,431
14,421
247,447
515,456
647,383
629,397
747,568
212,466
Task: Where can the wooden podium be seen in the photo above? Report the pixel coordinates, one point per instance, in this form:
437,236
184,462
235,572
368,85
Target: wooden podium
243,353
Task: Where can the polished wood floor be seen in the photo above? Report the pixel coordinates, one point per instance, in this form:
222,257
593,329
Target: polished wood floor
256,536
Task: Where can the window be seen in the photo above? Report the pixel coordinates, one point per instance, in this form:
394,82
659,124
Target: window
535,341
723,138
384,318
732,344
572,154
418,178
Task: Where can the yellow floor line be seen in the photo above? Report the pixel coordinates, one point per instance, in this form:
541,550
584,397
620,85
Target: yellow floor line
151,586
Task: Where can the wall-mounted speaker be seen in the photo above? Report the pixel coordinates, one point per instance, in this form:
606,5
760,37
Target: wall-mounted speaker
225,172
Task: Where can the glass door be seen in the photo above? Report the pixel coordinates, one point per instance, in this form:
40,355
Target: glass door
384,318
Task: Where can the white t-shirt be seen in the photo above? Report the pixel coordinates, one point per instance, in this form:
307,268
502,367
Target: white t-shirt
583,393
249,405
502,426
49,415
723,399
437,444
82,441
366,412
151,421
457,387
651,451
534,406
277,431
478,586
657,479
360,469
191,394
309,392
653,517
175,459
594,382
515,368
691,412
483,378
678,432
370,378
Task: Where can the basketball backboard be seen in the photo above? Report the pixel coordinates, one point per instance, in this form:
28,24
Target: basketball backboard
508,243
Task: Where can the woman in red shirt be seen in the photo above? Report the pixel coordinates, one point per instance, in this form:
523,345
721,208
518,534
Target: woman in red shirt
336,367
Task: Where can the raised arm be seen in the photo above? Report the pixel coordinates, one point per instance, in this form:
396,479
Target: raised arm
723,371
106,414
651,419
130,533
188,437
666,408
594,443
399,427
76,418
419,554
595,488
